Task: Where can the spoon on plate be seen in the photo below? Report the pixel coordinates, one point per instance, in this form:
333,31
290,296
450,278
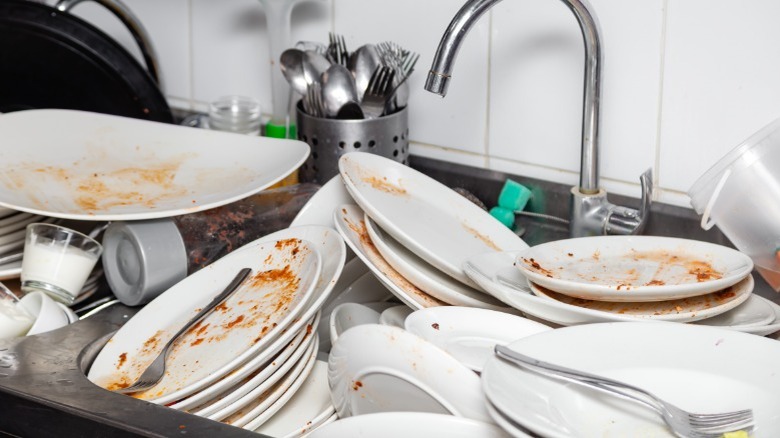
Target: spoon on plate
155,371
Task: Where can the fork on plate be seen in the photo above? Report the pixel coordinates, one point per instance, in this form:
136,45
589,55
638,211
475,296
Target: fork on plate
155,371
681,422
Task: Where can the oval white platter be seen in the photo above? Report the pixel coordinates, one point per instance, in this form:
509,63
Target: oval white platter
91,166
432,220
423,275
351,225
633,268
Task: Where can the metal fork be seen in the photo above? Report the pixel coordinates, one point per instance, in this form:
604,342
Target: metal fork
155,371
337,49
377,92
312,102
682,423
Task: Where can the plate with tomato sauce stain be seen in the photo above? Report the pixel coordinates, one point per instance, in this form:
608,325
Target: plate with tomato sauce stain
89,166
284,275
680,310
633,268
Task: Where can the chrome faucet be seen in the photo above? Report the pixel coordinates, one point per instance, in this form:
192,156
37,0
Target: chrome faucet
591,212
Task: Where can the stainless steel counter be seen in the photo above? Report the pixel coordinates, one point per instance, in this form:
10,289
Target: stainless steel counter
44,391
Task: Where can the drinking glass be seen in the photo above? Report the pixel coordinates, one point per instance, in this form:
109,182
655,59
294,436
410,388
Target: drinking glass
57,261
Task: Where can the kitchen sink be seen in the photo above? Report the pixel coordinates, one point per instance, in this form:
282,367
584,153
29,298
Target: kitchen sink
44,390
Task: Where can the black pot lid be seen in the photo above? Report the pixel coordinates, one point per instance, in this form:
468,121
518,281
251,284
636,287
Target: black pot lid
52,59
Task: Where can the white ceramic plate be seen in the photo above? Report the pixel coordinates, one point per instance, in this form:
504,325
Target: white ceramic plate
329,242
633,268
284,274
263,402
348,315
378,368
470,334
496,273
408,425
349,222
680,310
198,401
726,321
432,220
254,386
395,316
91,166
11,270
754,312
423,275
306,410
506,423
286,396
700,369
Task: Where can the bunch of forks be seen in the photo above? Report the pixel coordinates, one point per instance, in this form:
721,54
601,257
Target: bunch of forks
380,91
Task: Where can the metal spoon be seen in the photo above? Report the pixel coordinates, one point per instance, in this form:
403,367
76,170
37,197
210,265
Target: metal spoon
338,89
362,64
291,62
155,371
314,65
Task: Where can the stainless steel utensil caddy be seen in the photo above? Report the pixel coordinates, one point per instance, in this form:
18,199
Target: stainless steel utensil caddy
329,139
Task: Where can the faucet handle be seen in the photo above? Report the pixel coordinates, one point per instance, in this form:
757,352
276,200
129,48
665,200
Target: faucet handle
625,220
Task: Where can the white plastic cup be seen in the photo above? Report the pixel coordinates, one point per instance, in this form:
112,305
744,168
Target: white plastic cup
741,195
46,312
57,261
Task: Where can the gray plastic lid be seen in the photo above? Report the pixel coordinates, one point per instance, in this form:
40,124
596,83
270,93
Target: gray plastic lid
142,259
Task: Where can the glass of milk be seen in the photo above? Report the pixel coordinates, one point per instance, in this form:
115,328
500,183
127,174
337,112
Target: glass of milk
57,261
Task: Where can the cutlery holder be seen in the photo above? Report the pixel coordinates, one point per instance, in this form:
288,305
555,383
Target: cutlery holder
329,139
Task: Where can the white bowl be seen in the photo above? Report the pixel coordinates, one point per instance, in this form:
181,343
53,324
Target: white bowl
48,315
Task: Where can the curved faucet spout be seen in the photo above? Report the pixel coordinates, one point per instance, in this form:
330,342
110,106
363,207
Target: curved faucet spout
441,70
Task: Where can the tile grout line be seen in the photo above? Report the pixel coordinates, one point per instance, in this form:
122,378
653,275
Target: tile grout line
659,113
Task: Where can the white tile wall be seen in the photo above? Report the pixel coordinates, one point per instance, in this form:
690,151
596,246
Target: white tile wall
684,81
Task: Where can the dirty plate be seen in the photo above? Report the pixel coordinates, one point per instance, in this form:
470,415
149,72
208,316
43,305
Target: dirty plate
426,277
91,166
700,369
378,368
680,310
351,225
308,408
433,221
633,268
284,274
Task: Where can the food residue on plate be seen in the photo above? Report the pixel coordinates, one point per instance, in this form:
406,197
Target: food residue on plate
384,185
486,240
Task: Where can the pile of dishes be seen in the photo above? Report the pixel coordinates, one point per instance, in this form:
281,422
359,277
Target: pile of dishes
628,278
414,233
247,361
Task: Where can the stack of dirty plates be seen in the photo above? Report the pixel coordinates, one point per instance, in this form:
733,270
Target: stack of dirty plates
414,233
246,361
628,278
